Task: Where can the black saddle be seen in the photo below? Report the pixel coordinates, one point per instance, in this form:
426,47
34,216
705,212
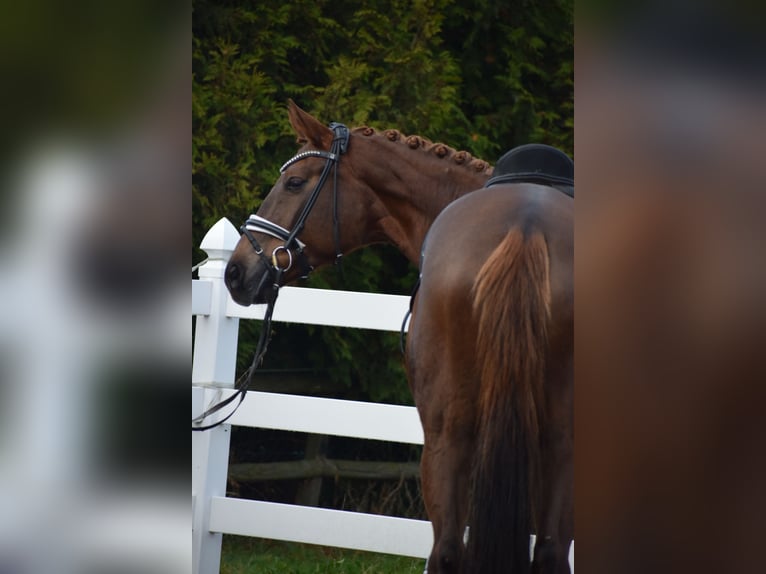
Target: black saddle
535,163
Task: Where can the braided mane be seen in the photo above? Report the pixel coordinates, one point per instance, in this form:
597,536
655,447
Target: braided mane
440,150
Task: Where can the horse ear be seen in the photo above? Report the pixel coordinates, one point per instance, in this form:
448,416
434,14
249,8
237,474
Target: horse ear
308,128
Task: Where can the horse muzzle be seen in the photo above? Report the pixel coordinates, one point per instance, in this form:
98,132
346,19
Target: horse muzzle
248,288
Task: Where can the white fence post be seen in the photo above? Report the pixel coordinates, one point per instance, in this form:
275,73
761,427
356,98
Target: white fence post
213,368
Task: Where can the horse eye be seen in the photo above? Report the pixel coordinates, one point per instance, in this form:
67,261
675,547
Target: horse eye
295,183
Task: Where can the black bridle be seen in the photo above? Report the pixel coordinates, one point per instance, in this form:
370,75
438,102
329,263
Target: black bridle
290,238
290,244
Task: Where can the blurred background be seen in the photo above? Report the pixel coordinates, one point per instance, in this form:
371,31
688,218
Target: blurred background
670,287
94,325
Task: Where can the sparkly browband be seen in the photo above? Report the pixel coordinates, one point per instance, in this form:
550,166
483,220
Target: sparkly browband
310,153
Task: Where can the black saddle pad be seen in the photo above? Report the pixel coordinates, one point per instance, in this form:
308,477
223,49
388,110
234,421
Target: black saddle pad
535,163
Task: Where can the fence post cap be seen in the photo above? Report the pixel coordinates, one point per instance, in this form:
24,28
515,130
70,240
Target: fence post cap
220,240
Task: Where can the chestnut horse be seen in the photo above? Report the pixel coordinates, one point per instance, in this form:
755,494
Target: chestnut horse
489,351
496,301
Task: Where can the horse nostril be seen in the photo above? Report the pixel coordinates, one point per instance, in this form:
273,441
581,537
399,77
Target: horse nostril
232,274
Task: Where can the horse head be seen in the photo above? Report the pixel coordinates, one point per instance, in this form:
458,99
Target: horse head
305,221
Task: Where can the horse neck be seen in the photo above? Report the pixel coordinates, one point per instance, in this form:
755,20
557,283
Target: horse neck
411,187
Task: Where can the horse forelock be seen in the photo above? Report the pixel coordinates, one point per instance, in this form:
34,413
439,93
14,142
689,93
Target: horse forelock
440,150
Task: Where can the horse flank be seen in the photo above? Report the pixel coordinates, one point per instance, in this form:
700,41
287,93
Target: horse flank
512,303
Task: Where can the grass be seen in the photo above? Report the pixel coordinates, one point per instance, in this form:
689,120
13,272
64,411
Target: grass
242,555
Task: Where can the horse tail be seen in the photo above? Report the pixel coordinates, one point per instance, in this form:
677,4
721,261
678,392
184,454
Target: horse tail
512,306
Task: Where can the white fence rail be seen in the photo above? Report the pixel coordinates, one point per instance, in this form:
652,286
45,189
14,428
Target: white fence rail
213,374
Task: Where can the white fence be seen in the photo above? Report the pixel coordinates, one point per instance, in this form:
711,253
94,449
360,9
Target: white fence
213,378
213,375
